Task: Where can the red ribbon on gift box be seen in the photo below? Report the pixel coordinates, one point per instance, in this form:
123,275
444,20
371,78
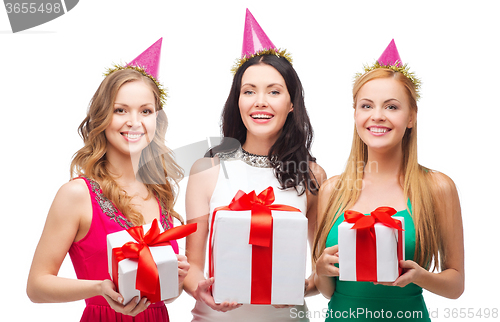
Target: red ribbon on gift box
148,279
366,242
261,239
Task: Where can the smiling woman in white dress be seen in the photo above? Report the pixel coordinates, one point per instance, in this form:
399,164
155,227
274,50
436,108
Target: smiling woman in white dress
265,113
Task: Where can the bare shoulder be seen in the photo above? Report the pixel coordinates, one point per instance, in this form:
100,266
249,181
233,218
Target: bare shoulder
442,184
74,191
446,199
205,167
325,192
201,185
71,210
329,185
318,172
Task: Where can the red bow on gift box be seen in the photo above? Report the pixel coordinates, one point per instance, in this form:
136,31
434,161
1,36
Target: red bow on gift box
380,215
148,280
366,249
261,238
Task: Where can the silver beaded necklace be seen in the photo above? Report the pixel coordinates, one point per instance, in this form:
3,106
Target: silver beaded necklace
254,160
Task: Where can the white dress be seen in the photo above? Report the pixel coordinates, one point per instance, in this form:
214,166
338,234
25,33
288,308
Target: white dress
240,170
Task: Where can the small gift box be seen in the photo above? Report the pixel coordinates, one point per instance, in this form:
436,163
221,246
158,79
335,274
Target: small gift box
258,251
370,247
144,264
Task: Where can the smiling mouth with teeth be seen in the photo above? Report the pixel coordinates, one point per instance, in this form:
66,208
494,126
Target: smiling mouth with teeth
262,116
378,129
132,136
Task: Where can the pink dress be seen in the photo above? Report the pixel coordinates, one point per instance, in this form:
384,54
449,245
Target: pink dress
89,258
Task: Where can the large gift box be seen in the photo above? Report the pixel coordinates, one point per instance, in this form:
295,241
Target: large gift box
144,264
370,247
258,251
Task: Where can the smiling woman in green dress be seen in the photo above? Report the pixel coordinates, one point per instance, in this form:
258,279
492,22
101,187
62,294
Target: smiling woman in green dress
383,171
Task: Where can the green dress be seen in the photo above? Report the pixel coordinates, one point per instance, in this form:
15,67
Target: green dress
365,301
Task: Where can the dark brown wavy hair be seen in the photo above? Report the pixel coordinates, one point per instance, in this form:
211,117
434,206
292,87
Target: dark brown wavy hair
290,155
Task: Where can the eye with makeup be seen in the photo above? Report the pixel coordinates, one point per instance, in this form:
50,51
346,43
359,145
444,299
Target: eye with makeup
119,110
391,107
247,92
147,111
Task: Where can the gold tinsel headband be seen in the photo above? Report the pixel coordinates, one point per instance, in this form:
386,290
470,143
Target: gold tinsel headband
398,67
161,89
272,51
390,59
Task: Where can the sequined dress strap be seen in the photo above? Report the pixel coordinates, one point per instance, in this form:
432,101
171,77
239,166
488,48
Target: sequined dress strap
110,210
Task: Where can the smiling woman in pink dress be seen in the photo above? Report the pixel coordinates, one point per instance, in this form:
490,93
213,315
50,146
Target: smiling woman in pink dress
122,177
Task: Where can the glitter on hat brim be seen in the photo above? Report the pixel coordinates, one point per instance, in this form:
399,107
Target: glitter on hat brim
403,69
161,89
273,51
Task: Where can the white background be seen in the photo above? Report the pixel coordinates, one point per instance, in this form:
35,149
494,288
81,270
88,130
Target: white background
48,75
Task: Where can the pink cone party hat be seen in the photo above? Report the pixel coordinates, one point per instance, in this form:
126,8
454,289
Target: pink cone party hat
149,60
254,38
256,43
390,59
148,64
390,56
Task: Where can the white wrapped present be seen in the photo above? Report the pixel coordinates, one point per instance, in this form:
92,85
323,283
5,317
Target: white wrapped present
370,249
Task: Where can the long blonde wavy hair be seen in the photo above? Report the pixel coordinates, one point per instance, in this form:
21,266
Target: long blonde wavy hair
157,167
417,182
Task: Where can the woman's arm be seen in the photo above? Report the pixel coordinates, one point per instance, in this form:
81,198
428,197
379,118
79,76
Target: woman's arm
197,210
324,266
69,208
69,217
450,281
201,185
312,220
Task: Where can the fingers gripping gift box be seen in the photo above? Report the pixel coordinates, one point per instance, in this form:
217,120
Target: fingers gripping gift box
370,247
258,251
144,264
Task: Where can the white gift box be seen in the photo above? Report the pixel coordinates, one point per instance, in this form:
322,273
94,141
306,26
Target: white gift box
164,257
232,256
386,249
